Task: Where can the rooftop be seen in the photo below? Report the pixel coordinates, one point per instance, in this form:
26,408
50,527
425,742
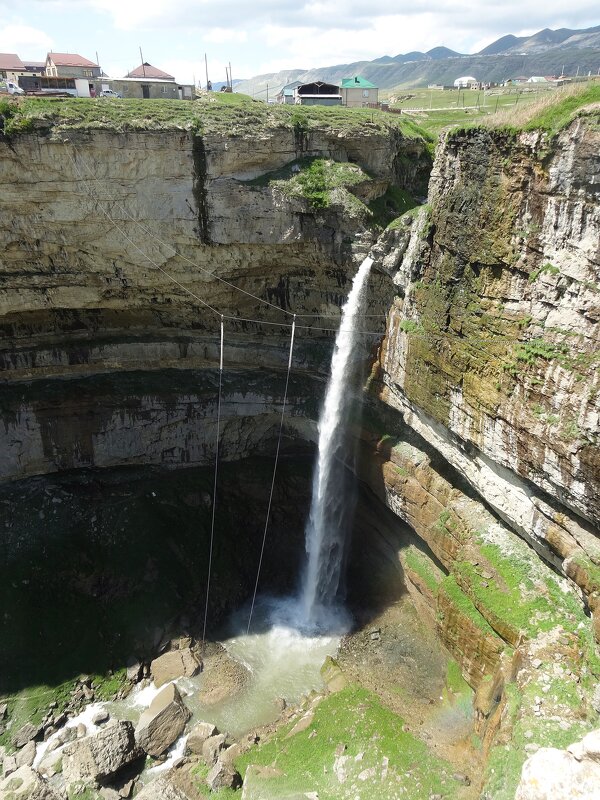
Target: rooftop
146,70
11,61
70,60
357,82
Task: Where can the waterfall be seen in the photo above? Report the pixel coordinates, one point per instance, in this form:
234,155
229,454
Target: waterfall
326,529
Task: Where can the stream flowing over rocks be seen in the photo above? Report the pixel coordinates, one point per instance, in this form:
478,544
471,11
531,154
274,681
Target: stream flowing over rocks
471,667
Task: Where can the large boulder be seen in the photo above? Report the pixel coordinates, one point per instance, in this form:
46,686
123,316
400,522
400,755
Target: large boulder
550,774
26,784
26,734
198,735
223,776
174,664
212,747
97,757
160,789
175,784
163,722
26,755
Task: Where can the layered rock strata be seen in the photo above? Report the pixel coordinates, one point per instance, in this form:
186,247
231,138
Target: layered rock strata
115,248
483,432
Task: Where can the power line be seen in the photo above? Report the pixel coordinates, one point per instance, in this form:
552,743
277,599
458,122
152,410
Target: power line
262,549
214,502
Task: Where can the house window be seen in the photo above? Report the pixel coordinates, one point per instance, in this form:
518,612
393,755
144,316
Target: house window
365,92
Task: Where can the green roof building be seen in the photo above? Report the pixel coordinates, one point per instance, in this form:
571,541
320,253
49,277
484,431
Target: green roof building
358,92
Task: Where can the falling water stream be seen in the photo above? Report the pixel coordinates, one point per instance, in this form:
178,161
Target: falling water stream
328,519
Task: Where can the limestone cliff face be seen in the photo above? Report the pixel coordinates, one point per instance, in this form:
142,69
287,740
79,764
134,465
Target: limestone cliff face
485,399
101,231
491,352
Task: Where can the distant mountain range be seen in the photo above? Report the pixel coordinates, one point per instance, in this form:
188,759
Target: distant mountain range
547,52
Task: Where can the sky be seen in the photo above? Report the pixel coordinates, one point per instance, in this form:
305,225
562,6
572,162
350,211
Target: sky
262,36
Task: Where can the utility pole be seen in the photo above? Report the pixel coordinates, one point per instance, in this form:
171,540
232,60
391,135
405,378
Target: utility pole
230,78
206,68
143,67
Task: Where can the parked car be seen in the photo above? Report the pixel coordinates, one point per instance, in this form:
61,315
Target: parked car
110,93
8,87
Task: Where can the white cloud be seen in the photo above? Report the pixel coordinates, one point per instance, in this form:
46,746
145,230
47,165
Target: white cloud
133,14
224,35
24,40
268,35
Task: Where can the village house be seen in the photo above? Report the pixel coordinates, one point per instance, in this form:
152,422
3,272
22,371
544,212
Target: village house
71,65
71,73
149,83
358,92
12,67
286,94
317,93
146,70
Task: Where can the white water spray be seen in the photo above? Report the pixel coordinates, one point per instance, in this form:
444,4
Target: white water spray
325,533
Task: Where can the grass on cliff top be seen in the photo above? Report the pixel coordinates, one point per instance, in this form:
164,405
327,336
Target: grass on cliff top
553,112
539,107
219,113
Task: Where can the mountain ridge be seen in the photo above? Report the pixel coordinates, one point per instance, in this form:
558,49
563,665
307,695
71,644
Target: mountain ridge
546,52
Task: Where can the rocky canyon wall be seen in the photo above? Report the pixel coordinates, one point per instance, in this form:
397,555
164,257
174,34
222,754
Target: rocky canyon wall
115,246
482,429
491,352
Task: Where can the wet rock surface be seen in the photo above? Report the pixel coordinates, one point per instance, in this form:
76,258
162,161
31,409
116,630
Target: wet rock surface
163,722
175,664
223,676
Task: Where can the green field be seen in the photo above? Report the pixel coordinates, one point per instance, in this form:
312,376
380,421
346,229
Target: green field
434,109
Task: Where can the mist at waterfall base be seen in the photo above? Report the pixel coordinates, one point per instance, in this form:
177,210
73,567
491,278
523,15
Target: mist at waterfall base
290,637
